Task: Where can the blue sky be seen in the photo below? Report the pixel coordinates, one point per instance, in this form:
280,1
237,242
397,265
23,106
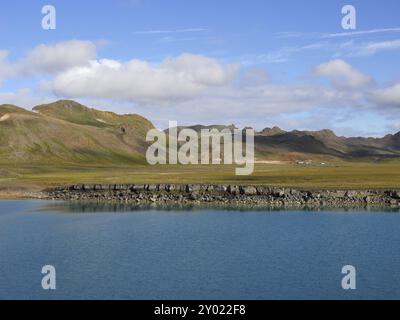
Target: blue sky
256,62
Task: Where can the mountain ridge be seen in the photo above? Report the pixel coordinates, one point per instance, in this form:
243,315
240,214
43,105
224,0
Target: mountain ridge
68,131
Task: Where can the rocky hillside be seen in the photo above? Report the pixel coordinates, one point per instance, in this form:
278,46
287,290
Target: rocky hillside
305,144
275,143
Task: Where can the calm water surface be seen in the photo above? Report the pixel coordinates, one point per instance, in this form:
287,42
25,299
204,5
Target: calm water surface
120,252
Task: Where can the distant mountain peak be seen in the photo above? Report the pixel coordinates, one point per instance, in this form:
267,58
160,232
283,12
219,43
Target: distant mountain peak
72,111
324,133
327,133
272,131
199,127
60,105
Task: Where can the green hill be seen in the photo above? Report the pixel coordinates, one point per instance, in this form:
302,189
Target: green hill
68,132
10,108
74,112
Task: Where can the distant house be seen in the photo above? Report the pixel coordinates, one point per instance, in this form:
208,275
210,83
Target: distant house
304,162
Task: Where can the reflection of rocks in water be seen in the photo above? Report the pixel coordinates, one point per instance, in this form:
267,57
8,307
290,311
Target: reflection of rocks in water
94,207
103,207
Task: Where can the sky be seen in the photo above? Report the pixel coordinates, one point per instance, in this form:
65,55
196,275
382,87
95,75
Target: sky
258,63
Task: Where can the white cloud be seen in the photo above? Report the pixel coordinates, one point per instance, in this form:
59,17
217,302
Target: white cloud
281,55
296,34
336,49
342,74
195,87
363,32
354,49
389,96
48,58
184,76
52,58
372,48
6,70
250,105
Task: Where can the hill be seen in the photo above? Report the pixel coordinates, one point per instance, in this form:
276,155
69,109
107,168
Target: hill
278,144
325,143
68,132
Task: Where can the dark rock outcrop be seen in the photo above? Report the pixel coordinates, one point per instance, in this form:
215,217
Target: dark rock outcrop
224,194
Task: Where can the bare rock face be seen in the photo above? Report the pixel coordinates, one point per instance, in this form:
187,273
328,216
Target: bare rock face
395,194
248,190
194,196
278,193
272,131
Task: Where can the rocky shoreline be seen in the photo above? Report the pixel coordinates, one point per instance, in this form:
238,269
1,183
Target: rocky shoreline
235,195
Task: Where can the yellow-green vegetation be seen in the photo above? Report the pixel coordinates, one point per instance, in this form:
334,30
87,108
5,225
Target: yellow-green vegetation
74,112
68,132
340,175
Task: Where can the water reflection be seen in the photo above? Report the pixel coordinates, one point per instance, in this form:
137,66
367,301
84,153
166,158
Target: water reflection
98,207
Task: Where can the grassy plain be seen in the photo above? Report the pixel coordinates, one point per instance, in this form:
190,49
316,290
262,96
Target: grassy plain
17,179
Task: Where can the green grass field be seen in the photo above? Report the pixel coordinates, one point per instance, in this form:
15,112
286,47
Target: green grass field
341,175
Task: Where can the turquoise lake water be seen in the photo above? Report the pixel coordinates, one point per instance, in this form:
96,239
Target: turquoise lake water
122,252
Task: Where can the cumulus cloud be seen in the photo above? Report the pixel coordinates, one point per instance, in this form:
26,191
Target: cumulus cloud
249,105
342,74
184,76
52,58
193,86
389,96
48,59
6,69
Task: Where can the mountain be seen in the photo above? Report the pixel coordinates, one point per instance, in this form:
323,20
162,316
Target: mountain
278,144
306,144
199,127
271,131
68,132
